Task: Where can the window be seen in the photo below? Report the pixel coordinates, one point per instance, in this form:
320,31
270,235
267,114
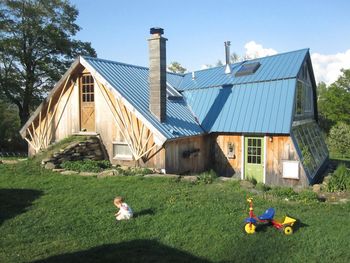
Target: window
254,151
87,88
121,151
304,101
311,145
299,109
247,69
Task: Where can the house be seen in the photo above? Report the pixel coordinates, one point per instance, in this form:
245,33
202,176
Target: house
255,118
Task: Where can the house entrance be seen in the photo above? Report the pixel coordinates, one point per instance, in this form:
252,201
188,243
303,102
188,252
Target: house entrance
87,103
254,158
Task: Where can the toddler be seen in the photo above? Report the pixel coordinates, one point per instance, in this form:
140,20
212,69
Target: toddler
125,212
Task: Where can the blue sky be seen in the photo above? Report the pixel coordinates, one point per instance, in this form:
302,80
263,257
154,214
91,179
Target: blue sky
196,30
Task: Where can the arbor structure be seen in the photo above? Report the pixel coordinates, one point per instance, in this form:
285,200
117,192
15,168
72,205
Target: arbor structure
36,47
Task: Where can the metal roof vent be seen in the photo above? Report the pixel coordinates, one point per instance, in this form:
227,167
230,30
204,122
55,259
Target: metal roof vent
227,56
193,75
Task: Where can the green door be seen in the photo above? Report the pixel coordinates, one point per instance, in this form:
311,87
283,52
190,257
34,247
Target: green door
254,158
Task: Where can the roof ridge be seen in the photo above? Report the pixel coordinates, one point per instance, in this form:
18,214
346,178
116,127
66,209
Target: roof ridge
127,64
114,62
248,60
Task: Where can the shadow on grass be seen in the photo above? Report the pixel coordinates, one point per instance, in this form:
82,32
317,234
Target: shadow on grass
149,211
131,251
15,201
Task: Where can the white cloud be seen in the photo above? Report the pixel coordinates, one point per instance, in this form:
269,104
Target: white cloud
327,67
255,50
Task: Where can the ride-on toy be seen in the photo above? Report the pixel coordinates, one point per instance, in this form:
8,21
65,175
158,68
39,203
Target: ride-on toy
267,217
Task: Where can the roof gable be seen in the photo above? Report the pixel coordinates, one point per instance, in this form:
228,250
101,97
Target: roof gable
131,82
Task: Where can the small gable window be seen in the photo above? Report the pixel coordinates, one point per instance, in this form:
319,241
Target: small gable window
87,88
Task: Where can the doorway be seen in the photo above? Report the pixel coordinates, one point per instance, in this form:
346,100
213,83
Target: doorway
254,158
87,103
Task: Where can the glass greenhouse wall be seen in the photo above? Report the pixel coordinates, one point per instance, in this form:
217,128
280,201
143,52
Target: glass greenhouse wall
311,146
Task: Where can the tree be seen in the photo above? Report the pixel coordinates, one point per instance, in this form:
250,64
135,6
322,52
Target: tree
334,101
219,63
339,139
10,140
176,67
36,48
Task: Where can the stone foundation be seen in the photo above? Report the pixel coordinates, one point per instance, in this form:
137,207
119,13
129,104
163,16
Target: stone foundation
90,149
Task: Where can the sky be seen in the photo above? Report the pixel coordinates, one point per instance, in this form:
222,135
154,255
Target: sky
196,30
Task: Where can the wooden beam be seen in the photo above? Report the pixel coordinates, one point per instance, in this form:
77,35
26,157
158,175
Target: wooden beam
55,108
28,141
71,88
145,144
140,137
46,122
115,114
31,135
35,134
149,149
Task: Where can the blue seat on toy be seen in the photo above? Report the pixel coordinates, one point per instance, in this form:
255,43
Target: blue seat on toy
268,215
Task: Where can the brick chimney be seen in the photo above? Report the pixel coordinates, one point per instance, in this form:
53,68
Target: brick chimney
157,73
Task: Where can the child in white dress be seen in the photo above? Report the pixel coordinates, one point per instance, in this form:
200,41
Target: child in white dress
125,212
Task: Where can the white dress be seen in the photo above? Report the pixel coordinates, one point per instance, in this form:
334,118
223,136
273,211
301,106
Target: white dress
125,212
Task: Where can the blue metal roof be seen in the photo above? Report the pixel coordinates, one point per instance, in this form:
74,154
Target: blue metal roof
132,83
261,107
258,103
280,66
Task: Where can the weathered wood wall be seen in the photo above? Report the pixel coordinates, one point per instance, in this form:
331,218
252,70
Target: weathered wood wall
187,155
224,165
67,115
279,149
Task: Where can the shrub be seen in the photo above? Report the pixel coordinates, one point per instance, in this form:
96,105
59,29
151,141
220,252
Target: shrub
262,187
284,192
207,177
307,196
86,166
135,171
252,180
340,180
339,139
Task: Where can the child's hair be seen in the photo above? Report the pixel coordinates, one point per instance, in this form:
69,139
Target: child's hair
118,199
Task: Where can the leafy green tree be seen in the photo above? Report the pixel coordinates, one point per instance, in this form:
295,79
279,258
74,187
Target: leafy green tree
36,48
334,101
176,67
339,139
10,140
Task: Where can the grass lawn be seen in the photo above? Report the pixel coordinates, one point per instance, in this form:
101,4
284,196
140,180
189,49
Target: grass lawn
49,217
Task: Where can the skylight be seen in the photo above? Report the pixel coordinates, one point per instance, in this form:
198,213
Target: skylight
247,69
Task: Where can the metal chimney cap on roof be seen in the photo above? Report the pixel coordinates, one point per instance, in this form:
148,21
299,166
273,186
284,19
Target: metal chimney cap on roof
156,30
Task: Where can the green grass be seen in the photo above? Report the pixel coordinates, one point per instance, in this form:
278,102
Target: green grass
48,217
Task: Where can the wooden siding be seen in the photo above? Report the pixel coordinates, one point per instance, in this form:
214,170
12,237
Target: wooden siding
187,155
224,165
281,148
278,149
67,122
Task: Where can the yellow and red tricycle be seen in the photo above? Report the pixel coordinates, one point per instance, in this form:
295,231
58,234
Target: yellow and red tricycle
252,221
